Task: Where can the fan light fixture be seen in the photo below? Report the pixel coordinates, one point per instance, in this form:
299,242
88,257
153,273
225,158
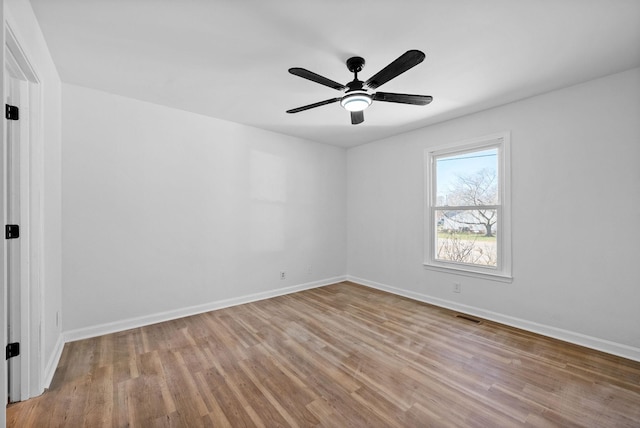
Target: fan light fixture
356,101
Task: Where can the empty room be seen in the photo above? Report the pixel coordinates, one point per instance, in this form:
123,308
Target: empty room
321,213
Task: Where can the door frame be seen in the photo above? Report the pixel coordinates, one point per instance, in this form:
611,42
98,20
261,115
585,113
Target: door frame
31,302
16,94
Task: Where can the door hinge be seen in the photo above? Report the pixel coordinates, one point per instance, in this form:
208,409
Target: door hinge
11,112
11,231
13,350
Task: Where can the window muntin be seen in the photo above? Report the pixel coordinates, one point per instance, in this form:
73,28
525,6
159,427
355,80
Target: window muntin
467,207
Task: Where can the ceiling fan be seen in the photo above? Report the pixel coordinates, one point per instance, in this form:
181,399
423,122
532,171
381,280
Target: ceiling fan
357,93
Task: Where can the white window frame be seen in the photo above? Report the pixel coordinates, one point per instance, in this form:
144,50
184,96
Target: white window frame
501,272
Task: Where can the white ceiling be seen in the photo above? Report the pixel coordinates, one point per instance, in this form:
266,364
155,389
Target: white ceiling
229,58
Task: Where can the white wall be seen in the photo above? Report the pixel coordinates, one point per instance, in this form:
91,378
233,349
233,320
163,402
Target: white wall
576,215
20,18
165,210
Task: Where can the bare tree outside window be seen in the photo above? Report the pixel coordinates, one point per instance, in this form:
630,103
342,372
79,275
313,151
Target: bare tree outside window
477,189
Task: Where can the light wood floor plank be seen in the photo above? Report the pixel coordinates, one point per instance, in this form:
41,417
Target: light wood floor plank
341,355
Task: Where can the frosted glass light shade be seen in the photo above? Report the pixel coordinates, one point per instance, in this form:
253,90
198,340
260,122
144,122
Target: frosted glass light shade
356,101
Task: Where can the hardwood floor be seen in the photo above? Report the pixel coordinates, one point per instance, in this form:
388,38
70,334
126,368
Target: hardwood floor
337,356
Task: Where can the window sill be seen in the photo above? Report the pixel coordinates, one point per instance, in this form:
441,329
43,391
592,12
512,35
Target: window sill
497,276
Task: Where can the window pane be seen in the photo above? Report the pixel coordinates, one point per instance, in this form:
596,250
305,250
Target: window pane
467,179
467,236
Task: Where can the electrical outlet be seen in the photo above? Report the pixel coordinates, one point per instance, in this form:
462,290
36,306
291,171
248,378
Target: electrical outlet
283,275
457,288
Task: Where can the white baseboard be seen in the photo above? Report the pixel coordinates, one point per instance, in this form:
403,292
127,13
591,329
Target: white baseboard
613,348
52,364
117,326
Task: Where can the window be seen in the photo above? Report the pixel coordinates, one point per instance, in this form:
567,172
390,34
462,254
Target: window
467,208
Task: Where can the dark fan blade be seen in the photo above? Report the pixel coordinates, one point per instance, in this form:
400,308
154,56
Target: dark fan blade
321,103
310,75
390,97
406,61
357,117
